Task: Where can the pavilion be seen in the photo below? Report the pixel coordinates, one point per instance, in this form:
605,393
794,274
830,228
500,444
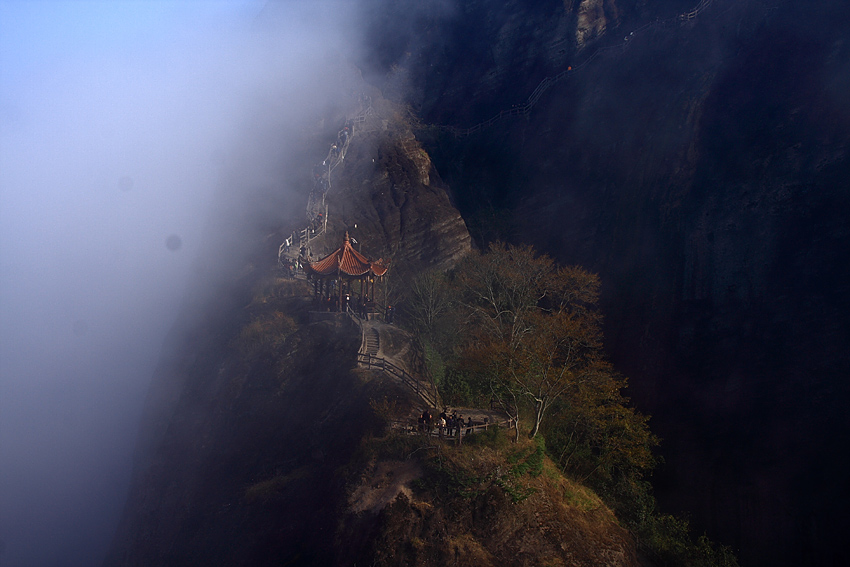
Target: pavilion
334,277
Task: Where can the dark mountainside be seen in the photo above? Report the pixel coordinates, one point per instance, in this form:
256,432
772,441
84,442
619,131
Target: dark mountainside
702,169
264,443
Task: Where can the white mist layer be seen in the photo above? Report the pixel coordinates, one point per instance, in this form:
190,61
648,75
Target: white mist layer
115,121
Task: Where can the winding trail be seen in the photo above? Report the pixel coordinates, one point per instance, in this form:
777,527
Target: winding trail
317,207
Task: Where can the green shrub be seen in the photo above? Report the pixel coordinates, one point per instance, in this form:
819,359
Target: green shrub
493,437
434,363
668,539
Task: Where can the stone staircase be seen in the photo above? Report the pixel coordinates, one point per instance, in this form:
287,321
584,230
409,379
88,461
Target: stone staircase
373,342
370,356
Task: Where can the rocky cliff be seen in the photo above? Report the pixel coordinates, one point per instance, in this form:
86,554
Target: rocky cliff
387,194
698,160
265,444
283,455
695,158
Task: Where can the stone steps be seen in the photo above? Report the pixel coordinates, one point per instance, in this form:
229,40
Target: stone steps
373,342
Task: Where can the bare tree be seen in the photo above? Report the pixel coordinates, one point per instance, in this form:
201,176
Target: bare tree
532,326
430,298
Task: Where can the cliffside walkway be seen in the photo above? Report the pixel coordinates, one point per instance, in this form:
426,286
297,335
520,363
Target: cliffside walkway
423,389
371,355
482,420
317,207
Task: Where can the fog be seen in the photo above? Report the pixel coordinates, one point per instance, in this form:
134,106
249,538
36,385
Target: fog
118,123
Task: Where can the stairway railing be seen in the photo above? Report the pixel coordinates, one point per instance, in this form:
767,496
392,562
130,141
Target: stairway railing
412,382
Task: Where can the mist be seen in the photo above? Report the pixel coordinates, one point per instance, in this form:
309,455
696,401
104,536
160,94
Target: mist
123,125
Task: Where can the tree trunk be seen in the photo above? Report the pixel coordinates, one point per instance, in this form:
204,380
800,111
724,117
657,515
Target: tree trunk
538,417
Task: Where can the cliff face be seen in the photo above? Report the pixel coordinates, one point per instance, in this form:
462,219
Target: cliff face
701,168
264,444
388,196
283,456
246,472
467,505
389,189
269,446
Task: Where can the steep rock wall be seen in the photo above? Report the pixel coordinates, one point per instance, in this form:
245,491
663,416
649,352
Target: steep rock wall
388,196
702,169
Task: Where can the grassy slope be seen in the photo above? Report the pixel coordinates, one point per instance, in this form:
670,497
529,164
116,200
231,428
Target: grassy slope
489,502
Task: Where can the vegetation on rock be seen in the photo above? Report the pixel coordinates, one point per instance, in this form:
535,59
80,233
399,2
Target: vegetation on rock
512,327
488,502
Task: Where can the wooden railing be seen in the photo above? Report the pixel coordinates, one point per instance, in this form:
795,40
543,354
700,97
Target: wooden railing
458,432
422,389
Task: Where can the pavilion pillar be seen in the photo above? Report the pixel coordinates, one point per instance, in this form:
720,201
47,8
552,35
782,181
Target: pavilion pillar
339,285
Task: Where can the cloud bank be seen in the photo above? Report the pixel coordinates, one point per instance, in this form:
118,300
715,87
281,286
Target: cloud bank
118,122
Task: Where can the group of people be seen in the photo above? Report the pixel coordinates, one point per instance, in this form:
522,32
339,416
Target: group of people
365,307
338,147
362,306
447,425
291,267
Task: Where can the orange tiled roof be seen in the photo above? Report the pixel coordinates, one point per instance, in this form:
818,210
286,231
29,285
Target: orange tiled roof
347,260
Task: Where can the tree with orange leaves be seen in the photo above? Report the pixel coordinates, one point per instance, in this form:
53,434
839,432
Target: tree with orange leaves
533,327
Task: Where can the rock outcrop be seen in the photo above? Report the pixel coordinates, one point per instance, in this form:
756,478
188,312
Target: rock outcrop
592,20
701,168
281,451
388,196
